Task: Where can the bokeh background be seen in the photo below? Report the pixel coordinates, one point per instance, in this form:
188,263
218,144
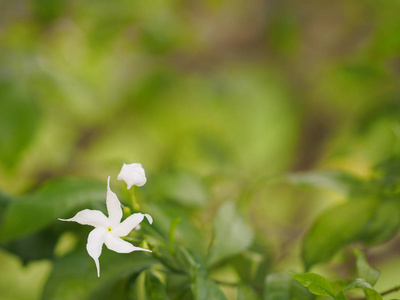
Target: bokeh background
215,98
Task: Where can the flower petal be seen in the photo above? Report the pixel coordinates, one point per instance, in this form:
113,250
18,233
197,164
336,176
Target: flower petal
132,174
94,245
90,217
149,218
113,206
118,245
128,224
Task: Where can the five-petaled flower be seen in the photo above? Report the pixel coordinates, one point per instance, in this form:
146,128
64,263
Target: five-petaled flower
109,230
132,174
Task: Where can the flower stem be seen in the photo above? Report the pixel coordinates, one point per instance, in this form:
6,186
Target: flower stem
135,204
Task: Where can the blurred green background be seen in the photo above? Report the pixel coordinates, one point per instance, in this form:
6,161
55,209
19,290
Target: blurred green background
215,99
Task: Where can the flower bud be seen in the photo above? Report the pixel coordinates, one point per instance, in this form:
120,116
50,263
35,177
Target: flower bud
132,174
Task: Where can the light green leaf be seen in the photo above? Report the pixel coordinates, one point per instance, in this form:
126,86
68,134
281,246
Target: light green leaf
280,286
57,199
365,271
315,283
246,292
18,122
335,228
341,182
369,291
341,296
232,234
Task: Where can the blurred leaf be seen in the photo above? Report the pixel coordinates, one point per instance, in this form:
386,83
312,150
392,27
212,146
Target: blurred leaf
182,188
4,202
342,182
204,288
341,296
39,245
365,271
18,122
74,275
57,199
246,292
232,234
315,283
251,267
280,286
334,228
384,223
369,291
155,289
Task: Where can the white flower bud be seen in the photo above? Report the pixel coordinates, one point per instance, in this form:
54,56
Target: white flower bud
132,174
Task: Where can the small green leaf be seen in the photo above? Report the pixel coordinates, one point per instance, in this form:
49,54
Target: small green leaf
335,228
57,199
341,296
232,234
369,291
280,286
315,283
155,289
365,271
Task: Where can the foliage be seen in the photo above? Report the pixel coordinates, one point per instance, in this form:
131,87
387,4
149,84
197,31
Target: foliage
269,132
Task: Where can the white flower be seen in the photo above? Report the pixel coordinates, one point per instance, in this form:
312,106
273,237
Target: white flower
132,174
109,230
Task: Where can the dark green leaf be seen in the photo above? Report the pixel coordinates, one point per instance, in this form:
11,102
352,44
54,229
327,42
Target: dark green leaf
204,288
335,228
74,275
280,286
58,199
384,223
315,283
155,289
232,234
365,271
39,245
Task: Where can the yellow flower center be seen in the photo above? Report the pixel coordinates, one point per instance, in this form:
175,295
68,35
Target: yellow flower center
109,228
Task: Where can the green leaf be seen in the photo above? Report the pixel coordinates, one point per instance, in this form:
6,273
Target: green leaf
280,286
204,288
18,122
315,283
342,182
365,271
74,275
37,246
369,291
57,199
335,228
384,223
155,289
246,292
341,296
232,234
